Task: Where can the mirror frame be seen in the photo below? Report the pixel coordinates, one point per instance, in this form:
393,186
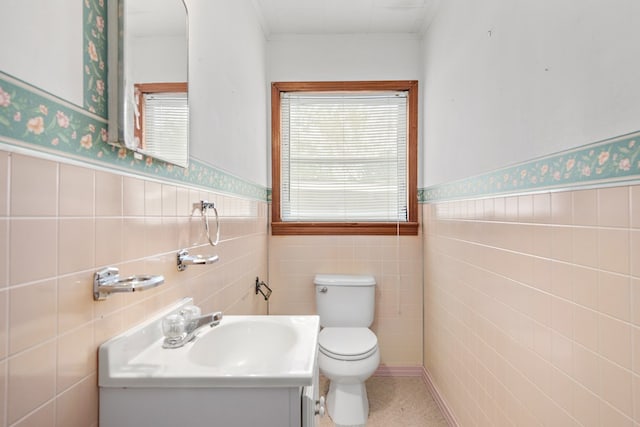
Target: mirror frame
115,81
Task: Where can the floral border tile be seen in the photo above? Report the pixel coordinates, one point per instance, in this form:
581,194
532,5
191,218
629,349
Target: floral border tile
95,56
41,120
609,161
34,119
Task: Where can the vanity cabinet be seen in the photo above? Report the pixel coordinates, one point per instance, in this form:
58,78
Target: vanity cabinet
245,371
209,407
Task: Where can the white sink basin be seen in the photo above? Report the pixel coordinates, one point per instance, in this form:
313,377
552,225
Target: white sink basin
246,345
242,351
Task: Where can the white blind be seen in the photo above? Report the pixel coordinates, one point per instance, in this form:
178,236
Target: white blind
166,124
344,157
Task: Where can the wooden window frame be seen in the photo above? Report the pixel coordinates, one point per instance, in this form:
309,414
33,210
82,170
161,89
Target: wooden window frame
140,89
279,227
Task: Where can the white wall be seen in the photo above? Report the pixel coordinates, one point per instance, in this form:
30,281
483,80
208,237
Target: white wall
506,81
343,57
49,54
228,88
159,59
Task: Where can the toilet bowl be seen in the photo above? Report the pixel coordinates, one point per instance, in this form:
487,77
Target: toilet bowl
348,349
347,357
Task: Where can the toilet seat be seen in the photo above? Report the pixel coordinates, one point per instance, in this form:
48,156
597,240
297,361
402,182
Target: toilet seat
347,343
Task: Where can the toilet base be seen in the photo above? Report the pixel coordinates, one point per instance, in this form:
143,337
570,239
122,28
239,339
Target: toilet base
347,404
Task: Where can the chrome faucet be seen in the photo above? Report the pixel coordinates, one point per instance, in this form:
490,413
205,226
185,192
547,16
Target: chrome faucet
181,328
211,319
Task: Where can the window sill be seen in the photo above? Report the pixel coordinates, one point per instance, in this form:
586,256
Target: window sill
343,228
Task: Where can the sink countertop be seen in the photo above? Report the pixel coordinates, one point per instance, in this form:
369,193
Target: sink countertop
136,358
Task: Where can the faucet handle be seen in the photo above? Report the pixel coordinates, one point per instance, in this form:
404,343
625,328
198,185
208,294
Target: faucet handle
174,329
191,314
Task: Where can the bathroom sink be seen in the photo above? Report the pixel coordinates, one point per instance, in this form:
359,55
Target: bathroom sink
246,344
241,351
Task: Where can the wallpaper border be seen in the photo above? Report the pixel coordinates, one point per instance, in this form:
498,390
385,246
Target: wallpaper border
94,56
611,161
32,118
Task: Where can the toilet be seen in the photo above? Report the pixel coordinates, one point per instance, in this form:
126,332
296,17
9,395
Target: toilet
348,349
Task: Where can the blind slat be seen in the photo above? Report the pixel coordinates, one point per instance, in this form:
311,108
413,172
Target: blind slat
166,126
344,157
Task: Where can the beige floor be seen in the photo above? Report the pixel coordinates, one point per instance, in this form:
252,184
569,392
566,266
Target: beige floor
396,401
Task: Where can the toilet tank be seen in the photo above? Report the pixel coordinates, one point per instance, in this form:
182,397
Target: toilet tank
345,300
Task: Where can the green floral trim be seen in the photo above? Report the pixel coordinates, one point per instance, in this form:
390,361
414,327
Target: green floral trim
95,56
32,118
41,121
611,160
35,119
203,175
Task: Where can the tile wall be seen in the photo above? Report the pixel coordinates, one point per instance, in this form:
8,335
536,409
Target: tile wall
532,307
395,262
59,223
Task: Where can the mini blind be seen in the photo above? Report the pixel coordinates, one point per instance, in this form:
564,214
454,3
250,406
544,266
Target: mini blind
166,124
344,157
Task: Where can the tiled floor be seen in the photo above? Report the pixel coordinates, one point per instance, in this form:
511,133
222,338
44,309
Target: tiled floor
396,401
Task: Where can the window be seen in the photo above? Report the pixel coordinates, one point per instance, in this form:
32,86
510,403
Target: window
344,157
161,121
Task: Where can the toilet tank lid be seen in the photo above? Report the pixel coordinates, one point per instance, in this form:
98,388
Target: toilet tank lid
344,280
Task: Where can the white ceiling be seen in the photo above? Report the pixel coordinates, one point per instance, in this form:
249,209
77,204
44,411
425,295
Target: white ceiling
344,16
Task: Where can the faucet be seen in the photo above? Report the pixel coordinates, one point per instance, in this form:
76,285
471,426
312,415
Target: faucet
181,328
211,319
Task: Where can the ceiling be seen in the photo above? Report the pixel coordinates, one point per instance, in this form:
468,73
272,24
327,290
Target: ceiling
281,17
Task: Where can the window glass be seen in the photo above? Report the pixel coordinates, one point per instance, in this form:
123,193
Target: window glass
344,158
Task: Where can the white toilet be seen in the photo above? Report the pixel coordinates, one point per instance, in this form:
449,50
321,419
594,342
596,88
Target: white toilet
348,349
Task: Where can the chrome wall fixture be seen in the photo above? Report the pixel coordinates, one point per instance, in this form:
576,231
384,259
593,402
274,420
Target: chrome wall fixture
204,209
184,259
108,280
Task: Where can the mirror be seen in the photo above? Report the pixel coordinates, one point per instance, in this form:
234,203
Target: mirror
148,102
